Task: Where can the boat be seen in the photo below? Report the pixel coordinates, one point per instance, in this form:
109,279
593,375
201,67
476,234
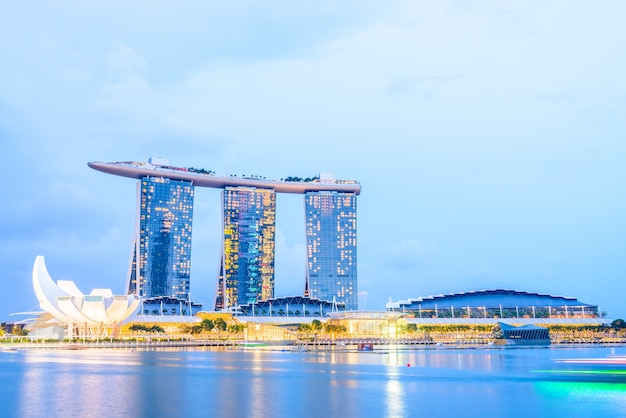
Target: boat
365,347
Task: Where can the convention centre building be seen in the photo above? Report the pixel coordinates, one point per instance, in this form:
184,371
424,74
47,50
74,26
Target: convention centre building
490,306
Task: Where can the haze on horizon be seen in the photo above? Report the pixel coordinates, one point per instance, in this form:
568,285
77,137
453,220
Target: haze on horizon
488,137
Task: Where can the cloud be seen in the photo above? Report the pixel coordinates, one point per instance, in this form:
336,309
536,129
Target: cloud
408,255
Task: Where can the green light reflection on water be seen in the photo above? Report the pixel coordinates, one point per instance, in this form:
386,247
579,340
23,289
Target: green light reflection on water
592,390
585,372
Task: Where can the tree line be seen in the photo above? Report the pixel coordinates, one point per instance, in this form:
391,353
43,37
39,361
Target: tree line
208,325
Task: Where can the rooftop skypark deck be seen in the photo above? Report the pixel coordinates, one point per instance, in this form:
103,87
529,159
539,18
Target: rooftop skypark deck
204,178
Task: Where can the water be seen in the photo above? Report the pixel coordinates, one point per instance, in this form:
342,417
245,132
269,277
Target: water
273,383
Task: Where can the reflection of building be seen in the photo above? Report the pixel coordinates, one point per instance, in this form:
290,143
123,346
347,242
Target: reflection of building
498,303
89,314
247,267
331,247
161,257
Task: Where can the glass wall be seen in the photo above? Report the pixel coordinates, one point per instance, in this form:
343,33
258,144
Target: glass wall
161,260
247,270
331,247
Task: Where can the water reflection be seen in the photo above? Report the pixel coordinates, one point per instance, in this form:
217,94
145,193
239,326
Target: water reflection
583,398
261,383
394,399
52,385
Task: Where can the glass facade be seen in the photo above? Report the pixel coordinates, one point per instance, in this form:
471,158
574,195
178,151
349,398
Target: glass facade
161,258
495,303
331,247
247,267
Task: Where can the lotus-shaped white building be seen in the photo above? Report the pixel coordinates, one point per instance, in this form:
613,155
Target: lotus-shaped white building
68,304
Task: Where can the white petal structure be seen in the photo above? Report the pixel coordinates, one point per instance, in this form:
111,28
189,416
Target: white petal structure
66,302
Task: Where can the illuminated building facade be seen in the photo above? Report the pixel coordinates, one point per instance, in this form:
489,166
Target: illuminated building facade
160,264
331,247
496,303
94,314
247,265
161,256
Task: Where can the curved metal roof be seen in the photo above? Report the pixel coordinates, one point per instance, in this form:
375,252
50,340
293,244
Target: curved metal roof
512,321
138,170
489,298
366,315
291,300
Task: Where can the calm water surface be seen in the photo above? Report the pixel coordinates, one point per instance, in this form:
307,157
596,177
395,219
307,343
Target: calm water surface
273,383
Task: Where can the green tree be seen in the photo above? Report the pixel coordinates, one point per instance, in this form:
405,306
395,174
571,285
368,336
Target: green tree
316,325
220,324
235,328
304,328
411,328
207,324
330,328
138,328
618,324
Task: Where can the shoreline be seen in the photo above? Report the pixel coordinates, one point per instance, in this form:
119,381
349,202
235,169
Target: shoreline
289,345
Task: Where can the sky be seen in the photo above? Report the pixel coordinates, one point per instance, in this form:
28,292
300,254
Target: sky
488,137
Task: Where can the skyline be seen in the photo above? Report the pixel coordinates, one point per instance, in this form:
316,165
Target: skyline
160,265
204,178
488,137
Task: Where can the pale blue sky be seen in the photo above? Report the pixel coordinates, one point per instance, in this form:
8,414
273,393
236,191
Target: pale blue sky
488,136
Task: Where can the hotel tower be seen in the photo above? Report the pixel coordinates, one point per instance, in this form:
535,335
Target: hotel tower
247,264
331,247
161,256
160,262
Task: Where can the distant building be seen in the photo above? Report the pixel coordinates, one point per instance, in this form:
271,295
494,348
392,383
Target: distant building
497,303
290,306
168,306
331,272
368,323
75,312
